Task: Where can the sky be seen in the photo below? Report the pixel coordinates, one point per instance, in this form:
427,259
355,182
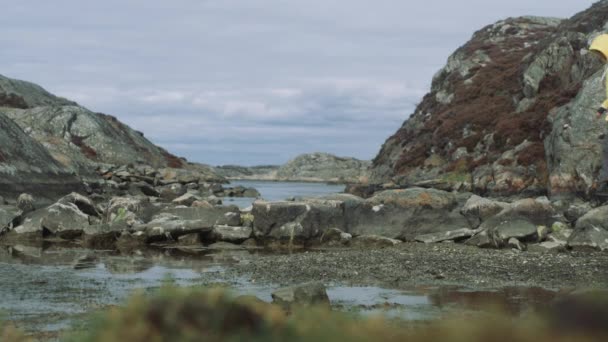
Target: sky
249,82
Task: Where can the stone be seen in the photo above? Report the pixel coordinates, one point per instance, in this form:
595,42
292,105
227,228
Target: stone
516,244
201,204
405,214
576,211
308,294
296,220
172,191
373,241
190,239
542,232
25,202
61,220
159,231
103,236
229,219
335,237
588,238
517,228
482,240
7,215
186,199
478,209
84,204
132,210
208,215
251,193
214,200
64,220
591,230
548,246
452,235
231,234
560,232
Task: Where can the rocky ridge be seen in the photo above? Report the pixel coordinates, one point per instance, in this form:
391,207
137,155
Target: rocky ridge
512,113
75,140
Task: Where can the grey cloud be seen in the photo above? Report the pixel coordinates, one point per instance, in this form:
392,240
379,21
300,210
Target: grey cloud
247,82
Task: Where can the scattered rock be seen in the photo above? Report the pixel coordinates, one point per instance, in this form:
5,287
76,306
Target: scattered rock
186,199
25,202
516,244
373,241
335,237
591,231
190,239
307,294
229,219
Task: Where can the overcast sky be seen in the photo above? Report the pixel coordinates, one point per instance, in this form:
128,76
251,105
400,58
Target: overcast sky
250,81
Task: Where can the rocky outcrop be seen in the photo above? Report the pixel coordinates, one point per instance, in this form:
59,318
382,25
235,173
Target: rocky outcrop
313,167
78,139
26,166
22,94
512,113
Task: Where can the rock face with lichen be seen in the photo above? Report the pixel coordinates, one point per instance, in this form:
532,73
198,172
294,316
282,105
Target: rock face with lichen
512,113
26,166
76,137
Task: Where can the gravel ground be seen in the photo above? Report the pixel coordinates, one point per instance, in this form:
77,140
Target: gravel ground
415,264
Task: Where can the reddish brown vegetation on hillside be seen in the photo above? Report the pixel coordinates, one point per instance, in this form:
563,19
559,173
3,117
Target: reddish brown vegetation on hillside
173,161
87,150
12,100
484,102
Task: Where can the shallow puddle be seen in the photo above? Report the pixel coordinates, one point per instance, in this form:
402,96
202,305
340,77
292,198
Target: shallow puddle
54,288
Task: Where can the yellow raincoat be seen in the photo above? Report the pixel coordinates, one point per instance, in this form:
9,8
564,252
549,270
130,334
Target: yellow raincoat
600,44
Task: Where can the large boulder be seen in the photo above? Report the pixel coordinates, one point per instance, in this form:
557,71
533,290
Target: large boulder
296,220
405,214
209,215
591,231
172,230
60,220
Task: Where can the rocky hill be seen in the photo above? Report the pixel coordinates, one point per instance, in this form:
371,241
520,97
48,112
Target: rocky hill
77,138
313,167
512,112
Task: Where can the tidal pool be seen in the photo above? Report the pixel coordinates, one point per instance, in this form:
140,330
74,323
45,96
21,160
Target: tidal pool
53,288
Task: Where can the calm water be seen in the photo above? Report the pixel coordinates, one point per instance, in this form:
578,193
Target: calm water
42,291
278,191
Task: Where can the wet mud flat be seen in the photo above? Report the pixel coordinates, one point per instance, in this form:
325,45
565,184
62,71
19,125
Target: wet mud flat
48,290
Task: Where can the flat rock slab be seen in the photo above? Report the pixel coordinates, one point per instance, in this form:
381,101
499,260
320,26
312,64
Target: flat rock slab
373,241
449,235
231,234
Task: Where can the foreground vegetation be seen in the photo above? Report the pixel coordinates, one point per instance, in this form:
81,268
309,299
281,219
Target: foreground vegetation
177,314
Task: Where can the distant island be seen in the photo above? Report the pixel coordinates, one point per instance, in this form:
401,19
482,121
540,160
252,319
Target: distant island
311,167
